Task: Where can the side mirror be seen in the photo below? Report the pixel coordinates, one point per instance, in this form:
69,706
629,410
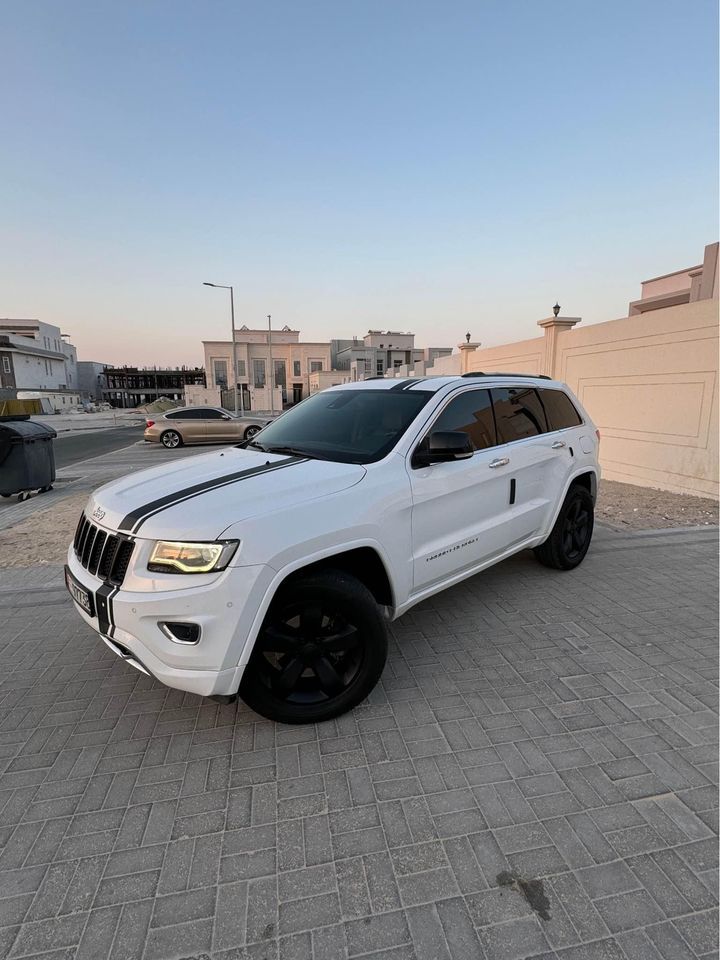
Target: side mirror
442,446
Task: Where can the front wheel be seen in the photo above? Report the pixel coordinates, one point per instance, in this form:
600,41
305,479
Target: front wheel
250,432
570,538
171,439
320,651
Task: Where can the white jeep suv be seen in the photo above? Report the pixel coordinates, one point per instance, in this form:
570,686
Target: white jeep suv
271,569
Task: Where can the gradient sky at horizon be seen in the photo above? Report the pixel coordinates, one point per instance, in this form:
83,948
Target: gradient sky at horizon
440,167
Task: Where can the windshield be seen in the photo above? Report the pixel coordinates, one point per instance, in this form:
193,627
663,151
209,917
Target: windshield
351,426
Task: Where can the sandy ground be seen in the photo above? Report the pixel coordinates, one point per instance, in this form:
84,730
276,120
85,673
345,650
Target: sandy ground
625,506
44,537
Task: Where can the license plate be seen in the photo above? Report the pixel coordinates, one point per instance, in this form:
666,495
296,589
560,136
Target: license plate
82,597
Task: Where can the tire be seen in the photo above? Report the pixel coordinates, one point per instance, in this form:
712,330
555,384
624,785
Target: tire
251,431
320,651
570,538
171,439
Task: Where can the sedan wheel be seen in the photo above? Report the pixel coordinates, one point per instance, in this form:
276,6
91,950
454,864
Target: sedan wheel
250,432
171,439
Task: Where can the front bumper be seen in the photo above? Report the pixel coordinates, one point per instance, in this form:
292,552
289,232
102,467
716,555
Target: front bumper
225,609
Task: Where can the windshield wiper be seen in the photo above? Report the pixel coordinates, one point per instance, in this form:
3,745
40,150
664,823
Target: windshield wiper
295,452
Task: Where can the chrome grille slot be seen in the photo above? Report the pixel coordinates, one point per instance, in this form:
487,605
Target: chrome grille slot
103,554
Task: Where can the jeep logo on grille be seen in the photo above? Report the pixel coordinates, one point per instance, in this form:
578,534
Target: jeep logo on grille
98,513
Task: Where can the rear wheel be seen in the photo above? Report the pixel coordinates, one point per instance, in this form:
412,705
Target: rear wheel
570,538
321,650
171,439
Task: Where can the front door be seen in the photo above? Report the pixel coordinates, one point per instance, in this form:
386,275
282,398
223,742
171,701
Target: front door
297,392
462,511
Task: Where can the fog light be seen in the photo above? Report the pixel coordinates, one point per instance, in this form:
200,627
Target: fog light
187,633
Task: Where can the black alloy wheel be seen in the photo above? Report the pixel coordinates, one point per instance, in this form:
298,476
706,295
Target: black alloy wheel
320,651
570,538
576,529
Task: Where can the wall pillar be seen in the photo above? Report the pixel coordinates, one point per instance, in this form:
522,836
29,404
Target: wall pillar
466,351
553,327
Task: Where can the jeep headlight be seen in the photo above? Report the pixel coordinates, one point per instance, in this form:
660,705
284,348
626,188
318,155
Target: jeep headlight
170,556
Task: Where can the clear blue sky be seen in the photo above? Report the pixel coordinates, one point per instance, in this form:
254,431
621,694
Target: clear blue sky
429,166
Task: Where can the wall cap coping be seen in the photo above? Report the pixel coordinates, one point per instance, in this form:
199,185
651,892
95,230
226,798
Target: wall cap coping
559,322
466,346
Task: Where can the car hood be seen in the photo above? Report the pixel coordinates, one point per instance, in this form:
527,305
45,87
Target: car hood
199,497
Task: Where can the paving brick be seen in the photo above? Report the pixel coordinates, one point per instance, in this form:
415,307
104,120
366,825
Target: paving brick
515,729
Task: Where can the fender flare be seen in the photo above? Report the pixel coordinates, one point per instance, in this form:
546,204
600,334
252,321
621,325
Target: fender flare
300,563
580,472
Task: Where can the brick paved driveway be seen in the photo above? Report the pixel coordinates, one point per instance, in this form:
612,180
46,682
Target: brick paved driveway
553,727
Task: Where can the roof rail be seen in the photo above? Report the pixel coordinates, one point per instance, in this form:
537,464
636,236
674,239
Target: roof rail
529,376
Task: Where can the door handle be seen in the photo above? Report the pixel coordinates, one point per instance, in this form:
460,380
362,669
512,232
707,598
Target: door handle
558,445
500,462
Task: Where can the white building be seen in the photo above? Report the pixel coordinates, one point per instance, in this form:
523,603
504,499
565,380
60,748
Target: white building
383,351
37,358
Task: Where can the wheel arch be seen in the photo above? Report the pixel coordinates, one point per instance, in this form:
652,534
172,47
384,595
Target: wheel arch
365,561
585,477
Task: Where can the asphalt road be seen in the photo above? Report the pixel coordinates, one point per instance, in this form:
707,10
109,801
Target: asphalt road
74,447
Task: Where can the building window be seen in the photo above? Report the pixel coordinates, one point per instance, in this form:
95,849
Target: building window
380,367
220,373
315,365
6,364
280,380
296,368
241,372
259,373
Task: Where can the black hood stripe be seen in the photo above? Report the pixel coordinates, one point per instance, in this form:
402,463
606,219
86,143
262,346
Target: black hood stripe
134,520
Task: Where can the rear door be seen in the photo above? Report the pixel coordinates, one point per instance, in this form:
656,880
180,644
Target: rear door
538,461
461,513
190,424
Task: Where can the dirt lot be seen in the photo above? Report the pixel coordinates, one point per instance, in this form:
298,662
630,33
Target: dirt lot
44,537
625,506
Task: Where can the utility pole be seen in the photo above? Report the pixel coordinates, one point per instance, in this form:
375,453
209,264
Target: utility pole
233,379
272,370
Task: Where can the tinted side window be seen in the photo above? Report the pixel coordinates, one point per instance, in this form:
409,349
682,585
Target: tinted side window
559,410
187,415
212,415
471,413
518,413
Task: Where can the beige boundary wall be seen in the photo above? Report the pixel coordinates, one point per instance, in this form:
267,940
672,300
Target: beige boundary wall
650,383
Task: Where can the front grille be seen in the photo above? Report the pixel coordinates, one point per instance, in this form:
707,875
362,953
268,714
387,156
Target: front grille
105,555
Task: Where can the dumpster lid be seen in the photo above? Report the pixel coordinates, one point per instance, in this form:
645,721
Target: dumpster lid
16,431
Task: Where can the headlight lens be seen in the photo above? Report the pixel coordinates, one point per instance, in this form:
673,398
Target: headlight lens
170,556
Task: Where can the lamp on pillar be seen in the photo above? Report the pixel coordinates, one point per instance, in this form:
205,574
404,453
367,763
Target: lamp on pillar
465,350
554,327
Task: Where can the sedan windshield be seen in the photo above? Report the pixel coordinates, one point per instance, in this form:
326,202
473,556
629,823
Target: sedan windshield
351,426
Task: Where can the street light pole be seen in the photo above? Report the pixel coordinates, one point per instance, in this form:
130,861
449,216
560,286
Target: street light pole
233,379
272,371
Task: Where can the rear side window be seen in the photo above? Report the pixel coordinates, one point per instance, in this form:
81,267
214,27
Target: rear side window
518,413
196,414
560,410
472,414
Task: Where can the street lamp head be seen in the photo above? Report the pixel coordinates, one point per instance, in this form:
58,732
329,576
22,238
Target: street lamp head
205,284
